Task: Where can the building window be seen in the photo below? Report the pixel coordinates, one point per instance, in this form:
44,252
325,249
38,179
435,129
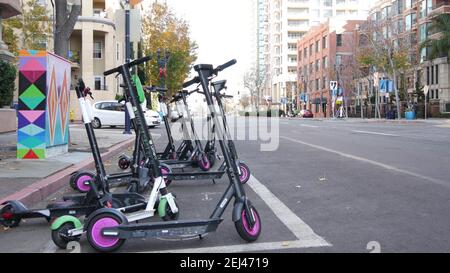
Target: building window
428,75
310,50
325,62
98,83
432,75
437,74
97,50
339,40
324,42
338,59
317,46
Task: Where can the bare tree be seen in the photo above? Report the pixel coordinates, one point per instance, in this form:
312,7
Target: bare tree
387,50
65,23
245,101
255,81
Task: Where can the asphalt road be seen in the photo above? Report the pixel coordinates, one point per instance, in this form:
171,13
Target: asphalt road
331,186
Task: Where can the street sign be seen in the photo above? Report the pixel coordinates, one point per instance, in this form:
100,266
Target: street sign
426,89
334,85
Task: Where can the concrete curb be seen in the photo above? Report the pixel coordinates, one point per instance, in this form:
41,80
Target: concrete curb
42,189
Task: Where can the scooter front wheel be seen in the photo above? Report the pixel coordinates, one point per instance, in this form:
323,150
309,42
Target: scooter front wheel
248,233
94,232
166,212
61,236
203,162
165,171
245,173
8,219
80,181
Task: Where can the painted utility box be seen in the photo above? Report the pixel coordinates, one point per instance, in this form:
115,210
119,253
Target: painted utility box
44,100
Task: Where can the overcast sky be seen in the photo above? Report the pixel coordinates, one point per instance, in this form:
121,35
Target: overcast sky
223,30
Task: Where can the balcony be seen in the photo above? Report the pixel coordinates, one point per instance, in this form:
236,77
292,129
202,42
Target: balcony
440,8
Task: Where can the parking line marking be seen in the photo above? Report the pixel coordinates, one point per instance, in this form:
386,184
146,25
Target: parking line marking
374,133
309,126
379,164
296,225
305,235
254,247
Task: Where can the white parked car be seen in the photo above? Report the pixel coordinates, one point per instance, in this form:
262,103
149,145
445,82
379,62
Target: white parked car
112,113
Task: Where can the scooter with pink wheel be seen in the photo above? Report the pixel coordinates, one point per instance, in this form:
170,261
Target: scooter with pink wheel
108,229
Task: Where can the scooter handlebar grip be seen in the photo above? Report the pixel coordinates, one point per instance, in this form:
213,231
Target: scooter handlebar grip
226,65
191,82
140,61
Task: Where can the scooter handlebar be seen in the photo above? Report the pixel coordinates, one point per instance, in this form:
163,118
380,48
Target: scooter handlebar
131,64
225,66
191,82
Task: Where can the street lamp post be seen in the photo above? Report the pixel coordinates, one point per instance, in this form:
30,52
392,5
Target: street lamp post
127,58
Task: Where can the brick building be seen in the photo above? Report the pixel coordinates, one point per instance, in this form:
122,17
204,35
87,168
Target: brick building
326,53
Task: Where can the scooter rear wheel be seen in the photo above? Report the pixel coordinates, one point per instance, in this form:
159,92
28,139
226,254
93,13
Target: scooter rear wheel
94,233
9,220
80,181
72,181
124,162
249,234
61,237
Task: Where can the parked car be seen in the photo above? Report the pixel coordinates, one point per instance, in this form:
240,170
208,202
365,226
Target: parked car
306,114
112,113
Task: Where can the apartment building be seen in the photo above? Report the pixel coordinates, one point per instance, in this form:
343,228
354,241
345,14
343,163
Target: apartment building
326,53
96,45
409,20
435,72
286,22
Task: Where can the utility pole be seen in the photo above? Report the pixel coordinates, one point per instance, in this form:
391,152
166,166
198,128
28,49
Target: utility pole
127,58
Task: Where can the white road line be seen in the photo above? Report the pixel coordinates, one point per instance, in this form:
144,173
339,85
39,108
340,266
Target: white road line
305,235
309,126
375,133
254,247
379,164
296,225
50,247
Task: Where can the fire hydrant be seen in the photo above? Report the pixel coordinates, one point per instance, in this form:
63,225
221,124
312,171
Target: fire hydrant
72,116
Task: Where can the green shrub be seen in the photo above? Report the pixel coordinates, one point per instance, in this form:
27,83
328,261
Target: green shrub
7,83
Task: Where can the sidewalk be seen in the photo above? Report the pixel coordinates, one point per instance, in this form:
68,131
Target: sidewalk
31,181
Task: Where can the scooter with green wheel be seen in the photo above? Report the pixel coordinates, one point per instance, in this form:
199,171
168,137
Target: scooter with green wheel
108,229
138,179
160,202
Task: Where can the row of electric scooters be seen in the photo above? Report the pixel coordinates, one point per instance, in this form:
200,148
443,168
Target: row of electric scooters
109,219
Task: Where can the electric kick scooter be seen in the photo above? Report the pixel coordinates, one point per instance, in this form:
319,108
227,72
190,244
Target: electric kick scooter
137,180
98,196
160,201
244,170
108,229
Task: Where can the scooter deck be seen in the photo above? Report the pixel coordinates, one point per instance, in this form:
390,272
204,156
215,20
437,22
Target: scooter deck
163,229
195,175
125,199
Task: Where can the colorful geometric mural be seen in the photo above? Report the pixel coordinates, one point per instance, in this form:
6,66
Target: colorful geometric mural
32,104
43,103
58,101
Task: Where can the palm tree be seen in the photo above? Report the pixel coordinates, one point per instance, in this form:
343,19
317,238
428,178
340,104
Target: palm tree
439,47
